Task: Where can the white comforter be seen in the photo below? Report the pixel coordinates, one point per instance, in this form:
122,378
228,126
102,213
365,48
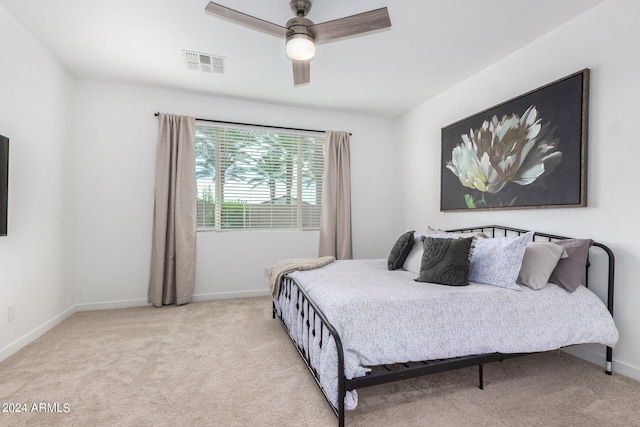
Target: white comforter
386,317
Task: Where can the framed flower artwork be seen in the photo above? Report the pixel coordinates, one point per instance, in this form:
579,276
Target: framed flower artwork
528,152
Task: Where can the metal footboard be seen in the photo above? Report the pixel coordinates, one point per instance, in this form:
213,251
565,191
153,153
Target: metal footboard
311,315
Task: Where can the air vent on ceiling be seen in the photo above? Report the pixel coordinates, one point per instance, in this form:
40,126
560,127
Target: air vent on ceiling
203,62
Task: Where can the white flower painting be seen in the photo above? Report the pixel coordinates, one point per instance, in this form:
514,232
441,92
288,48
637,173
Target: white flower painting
521,158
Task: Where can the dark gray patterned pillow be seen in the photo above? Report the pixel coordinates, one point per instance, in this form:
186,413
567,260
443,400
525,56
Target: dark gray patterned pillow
400,250
445,261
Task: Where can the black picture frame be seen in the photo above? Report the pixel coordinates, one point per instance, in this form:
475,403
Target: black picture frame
527,152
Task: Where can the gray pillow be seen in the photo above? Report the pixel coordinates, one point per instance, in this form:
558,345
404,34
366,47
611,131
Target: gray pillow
445,261
570,271
400,250
540,258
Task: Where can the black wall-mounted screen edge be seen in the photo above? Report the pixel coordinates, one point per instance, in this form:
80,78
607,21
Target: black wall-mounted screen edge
4,183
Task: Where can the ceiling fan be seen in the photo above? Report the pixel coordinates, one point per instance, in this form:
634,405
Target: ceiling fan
301,34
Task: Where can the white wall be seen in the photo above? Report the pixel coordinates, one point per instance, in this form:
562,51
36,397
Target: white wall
37,256
116,139
606,39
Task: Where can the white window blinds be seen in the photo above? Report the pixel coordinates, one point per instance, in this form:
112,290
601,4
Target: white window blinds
254,179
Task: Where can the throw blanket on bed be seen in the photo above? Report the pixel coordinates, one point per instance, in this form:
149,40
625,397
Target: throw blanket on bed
293,264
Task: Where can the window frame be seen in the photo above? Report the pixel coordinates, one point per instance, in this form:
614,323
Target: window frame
309,163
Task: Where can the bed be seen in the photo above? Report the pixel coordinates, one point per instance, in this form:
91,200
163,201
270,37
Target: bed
360,323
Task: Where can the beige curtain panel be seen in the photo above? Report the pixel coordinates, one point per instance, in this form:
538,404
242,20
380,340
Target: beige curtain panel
173,252
335,219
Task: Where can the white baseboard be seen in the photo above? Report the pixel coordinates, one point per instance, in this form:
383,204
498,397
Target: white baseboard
596,355
230,295
626,369
110,305
35,334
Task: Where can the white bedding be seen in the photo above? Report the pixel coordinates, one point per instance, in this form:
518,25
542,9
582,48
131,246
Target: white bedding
386,317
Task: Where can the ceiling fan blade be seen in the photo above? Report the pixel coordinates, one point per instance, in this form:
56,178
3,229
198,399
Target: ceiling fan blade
352,25
301,72
247,20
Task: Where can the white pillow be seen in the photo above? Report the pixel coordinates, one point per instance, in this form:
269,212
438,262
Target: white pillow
497,261
539,261
414,260
459,234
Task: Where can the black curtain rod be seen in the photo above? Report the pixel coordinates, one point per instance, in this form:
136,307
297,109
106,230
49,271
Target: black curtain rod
253,124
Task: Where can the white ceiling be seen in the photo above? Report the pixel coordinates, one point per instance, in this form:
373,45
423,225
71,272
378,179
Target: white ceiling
431,46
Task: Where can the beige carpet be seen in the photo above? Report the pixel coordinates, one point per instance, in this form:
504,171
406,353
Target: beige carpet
227,363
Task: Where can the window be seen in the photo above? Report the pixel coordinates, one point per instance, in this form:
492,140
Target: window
253,179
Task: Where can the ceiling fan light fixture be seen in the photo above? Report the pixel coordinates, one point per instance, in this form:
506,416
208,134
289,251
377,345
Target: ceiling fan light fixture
301,34
300,47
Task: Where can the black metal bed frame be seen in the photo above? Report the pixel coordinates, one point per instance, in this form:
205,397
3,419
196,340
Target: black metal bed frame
310,312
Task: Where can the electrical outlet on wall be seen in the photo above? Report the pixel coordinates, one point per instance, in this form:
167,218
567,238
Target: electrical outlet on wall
12,312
